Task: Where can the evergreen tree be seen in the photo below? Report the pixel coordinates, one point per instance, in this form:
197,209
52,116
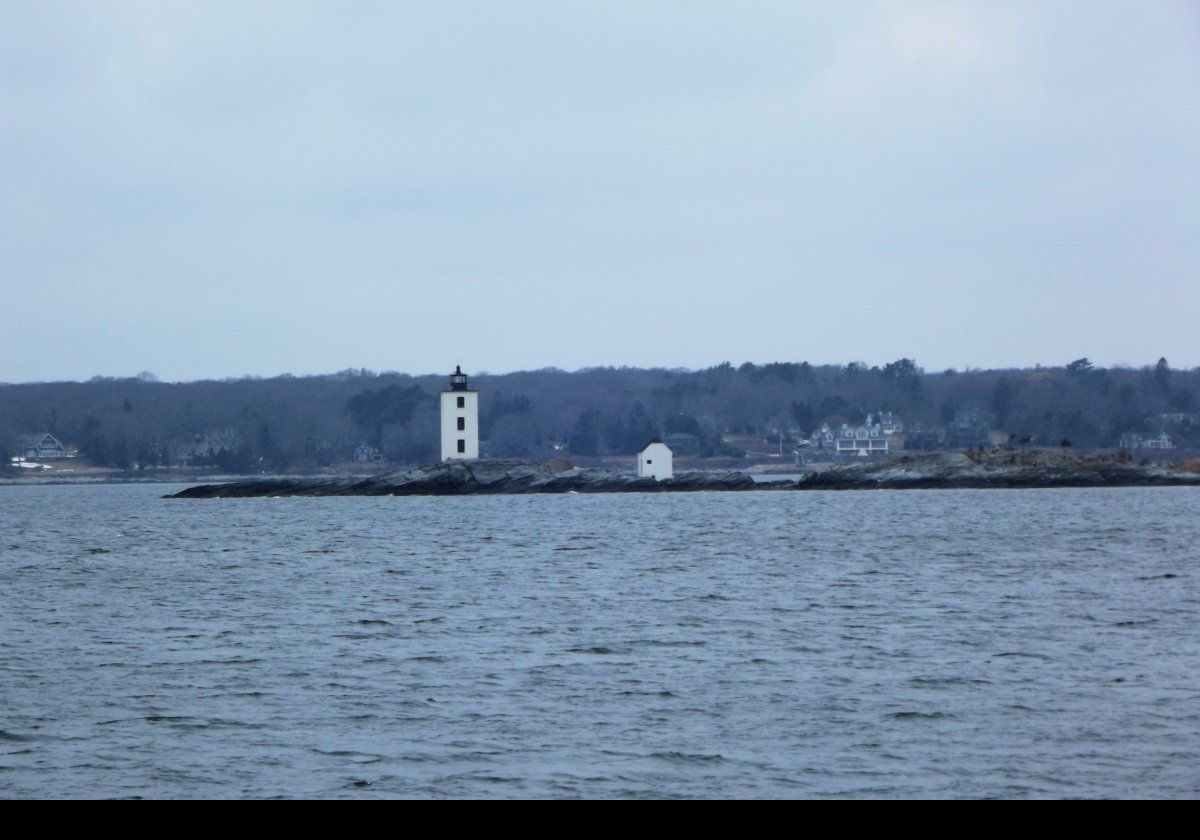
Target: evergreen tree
1162,375
585,435
640,428
1079,367
1002,399
92,442
802,414
120,453
373,410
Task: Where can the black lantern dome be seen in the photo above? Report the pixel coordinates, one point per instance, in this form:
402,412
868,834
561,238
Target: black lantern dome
458,379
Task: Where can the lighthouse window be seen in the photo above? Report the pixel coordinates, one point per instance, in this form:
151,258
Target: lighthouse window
648,461
462,424
462,445
462,402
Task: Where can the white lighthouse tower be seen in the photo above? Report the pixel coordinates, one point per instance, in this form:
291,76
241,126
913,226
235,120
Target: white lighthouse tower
460,419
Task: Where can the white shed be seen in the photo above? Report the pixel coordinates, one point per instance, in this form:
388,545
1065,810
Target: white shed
656,461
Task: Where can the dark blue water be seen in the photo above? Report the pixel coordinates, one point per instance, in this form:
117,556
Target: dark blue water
899,643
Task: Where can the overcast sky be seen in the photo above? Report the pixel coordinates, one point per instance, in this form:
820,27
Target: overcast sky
214,189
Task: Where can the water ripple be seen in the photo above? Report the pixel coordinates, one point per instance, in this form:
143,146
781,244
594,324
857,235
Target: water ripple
916,644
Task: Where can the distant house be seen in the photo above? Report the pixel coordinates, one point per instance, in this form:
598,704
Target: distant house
202,450
850,440
889,422
655,460
822,438
864,441
743,443
861,440
1133,440
363,452
41,447
969,430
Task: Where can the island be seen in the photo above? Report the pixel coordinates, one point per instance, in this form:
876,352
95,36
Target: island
995,469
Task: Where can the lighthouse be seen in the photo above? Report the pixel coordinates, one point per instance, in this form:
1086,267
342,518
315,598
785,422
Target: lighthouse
460,419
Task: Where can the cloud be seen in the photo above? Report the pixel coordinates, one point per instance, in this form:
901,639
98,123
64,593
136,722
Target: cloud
267,171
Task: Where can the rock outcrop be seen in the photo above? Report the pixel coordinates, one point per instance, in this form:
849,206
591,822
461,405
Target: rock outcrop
944,470
455,478
1001,469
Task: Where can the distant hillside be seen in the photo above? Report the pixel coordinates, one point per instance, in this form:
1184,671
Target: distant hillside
303,423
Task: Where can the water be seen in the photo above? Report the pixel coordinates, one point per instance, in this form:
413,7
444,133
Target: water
1008,643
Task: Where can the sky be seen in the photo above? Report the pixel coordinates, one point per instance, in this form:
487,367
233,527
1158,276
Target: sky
215,189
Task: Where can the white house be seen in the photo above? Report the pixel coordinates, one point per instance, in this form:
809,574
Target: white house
656,461
851,440
43,447
862,440
460,419
1133,440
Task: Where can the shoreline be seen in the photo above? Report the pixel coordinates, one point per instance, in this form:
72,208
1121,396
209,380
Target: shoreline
921,472
43,480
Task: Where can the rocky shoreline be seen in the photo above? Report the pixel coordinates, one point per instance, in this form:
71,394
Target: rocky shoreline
939,471
998,469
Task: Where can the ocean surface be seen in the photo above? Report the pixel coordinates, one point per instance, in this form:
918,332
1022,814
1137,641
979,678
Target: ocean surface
979,643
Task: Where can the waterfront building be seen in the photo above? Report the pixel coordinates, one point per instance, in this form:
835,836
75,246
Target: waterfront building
1133,440
460,419
42,447
655,460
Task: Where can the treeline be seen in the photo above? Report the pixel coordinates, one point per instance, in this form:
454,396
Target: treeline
303,423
